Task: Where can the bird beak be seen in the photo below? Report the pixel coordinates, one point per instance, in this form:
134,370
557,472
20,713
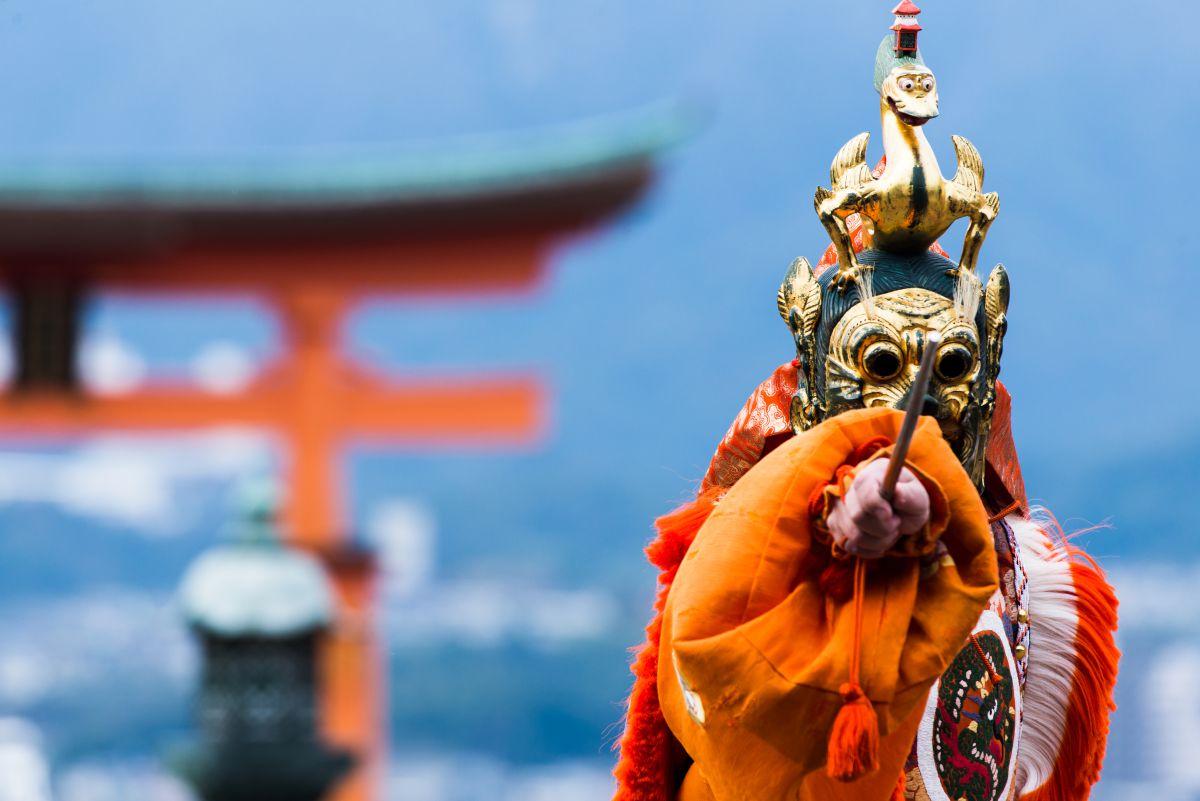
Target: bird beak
915,111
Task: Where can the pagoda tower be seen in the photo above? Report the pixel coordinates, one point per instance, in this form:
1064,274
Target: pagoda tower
906,27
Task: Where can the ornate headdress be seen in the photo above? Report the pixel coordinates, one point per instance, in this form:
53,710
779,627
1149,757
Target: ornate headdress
861,329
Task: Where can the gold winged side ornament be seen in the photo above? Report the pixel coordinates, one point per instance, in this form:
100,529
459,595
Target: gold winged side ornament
910,204
799,303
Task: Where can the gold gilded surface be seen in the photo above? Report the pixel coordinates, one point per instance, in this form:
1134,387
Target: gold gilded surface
800,307
863,349
995,309
873,360
911,204
872,354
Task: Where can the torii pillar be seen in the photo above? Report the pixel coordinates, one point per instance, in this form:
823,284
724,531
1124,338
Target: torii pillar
310,249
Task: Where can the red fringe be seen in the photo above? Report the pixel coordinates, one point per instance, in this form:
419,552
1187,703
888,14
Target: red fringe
647,769
1081,754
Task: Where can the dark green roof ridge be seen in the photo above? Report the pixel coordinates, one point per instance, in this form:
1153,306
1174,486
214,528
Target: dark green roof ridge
452,168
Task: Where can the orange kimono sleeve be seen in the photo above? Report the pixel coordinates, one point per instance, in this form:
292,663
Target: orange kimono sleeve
753,651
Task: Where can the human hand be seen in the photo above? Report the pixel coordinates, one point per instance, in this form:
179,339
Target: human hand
865,524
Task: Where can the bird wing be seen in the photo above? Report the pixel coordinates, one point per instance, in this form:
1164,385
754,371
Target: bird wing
970,165
850,164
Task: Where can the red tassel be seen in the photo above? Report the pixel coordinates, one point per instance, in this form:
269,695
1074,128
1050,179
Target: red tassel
900,793
854,741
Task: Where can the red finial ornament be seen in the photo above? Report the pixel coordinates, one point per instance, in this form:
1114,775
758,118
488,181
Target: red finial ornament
906,27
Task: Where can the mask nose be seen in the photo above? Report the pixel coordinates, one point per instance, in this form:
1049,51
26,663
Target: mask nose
929,407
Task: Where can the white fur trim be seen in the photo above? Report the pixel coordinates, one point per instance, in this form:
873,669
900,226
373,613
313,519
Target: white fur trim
1052,622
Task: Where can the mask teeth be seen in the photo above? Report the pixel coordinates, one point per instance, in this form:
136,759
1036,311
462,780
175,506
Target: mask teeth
967,295
866,289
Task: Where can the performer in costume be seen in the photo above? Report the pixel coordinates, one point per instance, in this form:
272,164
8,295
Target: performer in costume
818,636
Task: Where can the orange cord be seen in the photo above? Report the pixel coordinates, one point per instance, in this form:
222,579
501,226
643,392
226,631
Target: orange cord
1005,512
854,740
996,677
860,586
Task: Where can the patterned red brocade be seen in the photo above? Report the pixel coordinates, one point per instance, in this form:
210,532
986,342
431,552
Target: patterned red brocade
763,423
765,415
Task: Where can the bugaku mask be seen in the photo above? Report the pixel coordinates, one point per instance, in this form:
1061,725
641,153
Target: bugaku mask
861,329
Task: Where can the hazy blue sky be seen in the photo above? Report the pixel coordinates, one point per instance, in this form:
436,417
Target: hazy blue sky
655,332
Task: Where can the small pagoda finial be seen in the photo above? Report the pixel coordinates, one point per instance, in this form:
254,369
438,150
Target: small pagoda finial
906,27
256,503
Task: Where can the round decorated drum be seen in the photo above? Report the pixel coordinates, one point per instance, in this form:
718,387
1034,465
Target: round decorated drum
967,743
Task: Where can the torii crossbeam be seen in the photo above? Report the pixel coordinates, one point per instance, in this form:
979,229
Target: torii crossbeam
310,239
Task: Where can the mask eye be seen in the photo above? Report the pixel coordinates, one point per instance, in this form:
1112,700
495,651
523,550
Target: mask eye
927,84
881,361
907,84
954,362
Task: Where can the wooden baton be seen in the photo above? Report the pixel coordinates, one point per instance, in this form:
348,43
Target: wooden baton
916,402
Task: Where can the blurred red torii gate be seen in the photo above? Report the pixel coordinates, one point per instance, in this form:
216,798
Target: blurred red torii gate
311,238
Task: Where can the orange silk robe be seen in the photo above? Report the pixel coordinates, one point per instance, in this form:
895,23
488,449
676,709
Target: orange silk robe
753,650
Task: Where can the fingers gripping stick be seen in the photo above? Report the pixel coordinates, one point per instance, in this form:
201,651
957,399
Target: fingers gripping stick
916,401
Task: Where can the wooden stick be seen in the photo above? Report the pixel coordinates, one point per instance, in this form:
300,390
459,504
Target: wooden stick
916,402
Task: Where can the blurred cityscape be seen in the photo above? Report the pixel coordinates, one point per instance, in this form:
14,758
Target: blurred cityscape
511,580
519,675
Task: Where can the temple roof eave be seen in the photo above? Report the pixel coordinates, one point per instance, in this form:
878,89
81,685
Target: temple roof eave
412,173
555,180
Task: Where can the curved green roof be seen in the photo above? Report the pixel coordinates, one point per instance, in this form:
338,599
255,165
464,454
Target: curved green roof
445,170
